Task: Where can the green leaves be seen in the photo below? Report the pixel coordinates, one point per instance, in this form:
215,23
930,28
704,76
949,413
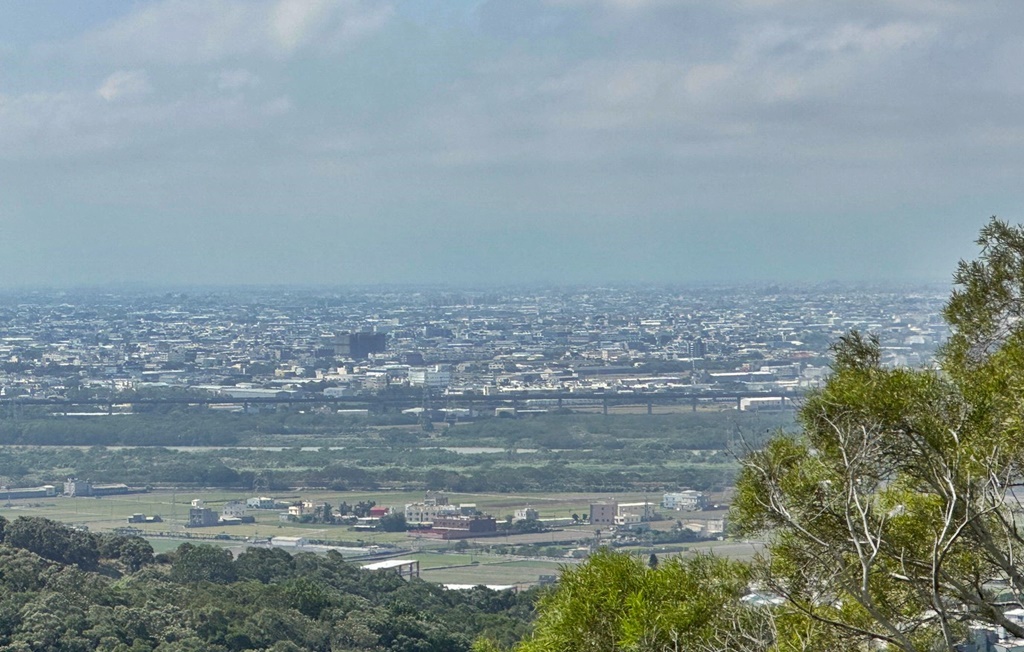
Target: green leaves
986,308
308,602
203,563
890,519
617,602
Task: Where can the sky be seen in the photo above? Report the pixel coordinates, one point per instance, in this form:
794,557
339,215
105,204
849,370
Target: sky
459,142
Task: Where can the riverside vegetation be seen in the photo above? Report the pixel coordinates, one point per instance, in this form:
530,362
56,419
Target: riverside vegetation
560,452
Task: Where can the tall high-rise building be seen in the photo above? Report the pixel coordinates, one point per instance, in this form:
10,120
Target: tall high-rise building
359,346
696,348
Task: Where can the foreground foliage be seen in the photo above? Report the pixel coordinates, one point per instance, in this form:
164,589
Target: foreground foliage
894,519
619,602
107,594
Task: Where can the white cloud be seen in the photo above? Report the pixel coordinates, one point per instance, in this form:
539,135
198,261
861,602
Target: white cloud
192,32
125,85
293,22
236,79
758,83
621,109
90,125
883,38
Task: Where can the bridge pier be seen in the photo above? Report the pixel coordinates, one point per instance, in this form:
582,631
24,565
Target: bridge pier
604,406
650,407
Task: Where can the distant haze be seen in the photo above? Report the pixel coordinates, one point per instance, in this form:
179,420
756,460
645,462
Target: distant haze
514,141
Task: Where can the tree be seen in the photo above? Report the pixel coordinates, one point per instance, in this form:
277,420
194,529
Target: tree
203,563
363,507
893,517
264,564
53,541
616,602
394,522
134,552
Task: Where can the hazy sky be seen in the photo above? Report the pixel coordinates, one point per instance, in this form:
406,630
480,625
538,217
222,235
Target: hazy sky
468,142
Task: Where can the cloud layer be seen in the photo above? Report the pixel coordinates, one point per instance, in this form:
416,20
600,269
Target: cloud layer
320,141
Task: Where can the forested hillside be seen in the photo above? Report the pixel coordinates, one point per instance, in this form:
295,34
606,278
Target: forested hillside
71,591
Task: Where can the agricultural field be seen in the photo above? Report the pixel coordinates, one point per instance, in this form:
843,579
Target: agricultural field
492,571
557,464
443,562
110,512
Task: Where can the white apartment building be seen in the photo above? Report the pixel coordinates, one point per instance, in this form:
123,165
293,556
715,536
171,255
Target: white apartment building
685,501
434,377
426,512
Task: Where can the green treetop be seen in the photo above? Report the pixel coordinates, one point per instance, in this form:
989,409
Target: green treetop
894,518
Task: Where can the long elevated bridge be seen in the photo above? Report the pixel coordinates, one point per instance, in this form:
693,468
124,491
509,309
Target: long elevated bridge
384,403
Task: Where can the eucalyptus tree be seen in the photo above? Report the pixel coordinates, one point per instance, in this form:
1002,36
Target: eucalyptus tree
616,601
894,518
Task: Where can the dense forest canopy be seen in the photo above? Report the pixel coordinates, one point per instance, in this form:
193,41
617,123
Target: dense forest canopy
62,590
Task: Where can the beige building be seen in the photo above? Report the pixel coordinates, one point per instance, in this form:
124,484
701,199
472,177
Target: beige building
603,513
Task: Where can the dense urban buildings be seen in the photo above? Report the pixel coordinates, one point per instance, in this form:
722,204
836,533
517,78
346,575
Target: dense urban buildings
286,343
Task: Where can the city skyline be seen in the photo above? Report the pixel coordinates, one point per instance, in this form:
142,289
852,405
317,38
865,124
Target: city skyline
480,143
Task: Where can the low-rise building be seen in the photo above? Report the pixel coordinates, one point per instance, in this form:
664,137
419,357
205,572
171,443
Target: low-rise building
706,526
434,377
645,511
459,527
603,513
202,517
289,542
526,514
142,518
233,509
45,491
76,487
627,519
755,403
684,501
424,513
